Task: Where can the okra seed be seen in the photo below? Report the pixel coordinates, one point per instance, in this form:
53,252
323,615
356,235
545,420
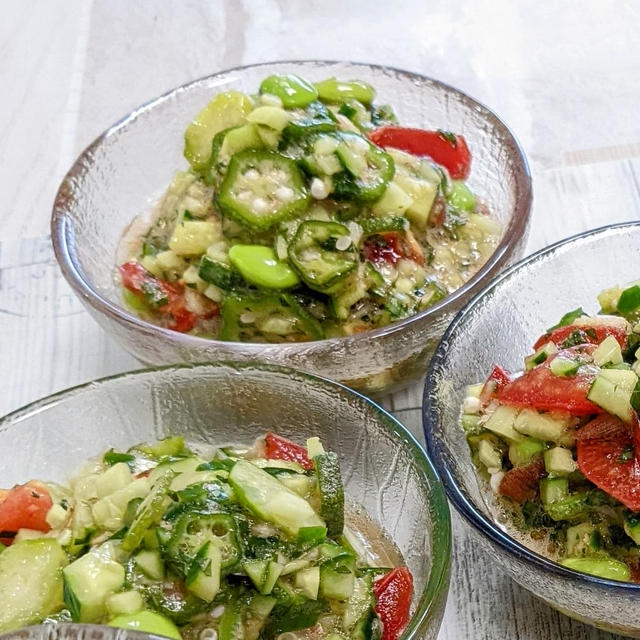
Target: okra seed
217,611
285,194
244,196
251,174
260,205
247,317
343,243
208,634
471,405
318,189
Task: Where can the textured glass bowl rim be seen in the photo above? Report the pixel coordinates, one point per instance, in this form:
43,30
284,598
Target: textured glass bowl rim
461,501
66,254
438,579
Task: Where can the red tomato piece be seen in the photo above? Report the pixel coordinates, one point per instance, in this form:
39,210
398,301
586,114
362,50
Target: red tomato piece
590,335
389,247
606,457
24,507
521,483
449,150
164,297
393,594
540,389
498,379
279,448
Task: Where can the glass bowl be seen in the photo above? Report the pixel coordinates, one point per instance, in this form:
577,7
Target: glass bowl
494,327
384,469
127,168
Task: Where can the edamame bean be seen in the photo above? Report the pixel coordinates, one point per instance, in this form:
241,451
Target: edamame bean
292,90
259,265
332,90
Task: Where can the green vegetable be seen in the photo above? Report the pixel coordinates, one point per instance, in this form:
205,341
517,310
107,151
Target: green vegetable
333,90
30,582
568,318
323,254
259,265
149,512
460,196
601,567
386,223
368,169
249,317
329,480
147,622
225,110
219,274
113,457
629,299
315,119
291,89
261,188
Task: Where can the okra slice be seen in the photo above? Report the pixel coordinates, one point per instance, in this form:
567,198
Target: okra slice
323,254
261,188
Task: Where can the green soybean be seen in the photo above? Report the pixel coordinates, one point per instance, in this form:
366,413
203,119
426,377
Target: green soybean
332,90
292,90
259,265
460,196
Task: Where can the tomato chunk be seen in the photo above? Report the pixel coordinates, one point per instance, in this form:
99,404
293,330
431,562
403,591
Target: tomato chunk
497,380
587,335
24,507
607,458
447,149
162,296
390,247
393,594
279,448
521,483
541,389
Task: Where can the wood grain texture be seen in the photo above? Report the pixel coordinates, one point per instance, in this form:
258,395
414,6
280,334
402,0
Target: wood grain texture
561,76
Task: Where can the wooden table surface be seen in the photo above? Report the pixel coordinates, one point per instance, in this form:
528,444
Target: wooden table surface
564,77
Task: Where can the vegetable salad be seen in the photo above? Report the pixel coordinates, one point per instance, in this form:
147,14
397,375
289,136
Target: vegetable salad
560,442
306,213
242,543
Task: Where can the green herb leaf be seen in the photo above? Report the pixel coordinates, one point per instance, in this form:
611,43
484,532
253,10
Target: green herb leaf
629,299
113,457
568,318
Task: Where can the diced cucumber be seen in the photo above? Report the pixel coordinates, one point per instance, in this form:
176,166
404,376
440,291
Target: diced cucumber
57,516
30,582
297,482
272,117
542,354
108,512
239,139
263,574
188,478
608,352
612,391
564,367
470,422
553,490
569,508
329,479
543,426
149,512
502,422
295,565
337,577
559,461
474,390
147,622
113,479
394,201
523,451
314,447
361,600
192,237
583,539
203,579
185,465
124,602
167,447
602,567
88,582
225,110
308,581
270,500
489,454
289,465
367,627
151,564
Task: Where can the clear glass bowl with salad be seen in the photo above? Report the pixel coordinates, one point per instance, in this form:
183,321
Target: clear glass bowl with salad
540,456
214,525
325,215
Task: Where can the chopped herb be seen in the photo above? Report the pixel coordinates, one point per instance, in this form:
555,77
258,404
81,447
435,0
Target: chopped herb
154,294
449,137
188,215
626,455
574,339
568,318
347,110
113,457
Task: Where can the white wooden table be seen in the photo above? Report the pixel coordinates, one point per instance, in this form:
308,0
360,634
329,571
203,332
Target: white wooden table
565,80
